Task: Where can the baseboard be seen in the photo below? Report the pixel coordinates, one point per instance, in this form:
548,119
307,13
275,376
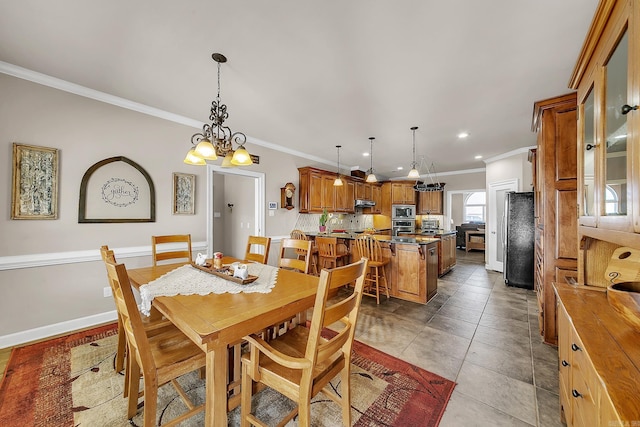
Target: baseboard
29,335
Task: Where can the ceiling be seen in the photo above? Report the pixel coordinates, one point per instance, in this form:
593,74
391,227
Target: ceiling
308,76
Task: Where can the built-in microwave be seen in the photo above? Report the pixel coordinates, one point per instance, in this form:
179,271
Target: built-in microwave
403,211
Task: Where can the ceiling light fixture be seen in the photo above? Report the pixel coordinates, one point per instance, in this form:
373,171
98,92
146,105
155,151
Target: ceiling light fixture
463,135
371,177
338,181
413,173
217,139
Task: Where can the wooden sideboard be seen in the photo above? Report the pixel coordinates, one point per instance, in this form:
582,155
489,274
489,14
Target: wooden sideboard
599,360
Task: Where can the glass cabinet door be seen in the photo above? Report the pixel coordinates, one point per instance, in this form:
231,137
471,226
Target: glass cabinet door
588,156
613,194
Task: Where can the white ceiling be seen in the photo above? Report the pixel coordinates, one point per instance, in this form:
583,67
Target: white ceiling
310,75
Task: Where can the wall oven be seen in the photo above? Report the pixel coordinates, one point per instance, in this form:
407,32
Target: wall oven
403,212
403,226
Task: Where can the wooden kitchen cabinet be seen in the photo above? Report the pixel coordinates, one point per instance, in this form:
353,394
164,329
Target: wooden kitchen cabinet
409,272
430,203
317,192
446,253
598,361
344,196
555,201
403,193
606,78
376,196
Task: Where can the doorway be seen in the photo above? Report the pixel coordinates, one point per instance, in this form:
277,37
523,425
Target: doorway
247,189
495,241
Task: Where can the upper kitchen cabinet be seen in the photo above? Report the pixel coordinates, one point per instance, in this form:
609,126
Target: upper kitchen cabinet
431,203
317,192
376,196
607,78
403,193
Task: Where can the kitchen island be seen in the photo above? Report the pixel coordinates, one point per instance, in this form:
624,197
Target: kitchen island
413,268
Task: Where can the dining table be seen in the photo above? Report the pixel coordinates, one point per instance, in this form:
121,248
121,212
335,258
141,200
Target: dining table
217,322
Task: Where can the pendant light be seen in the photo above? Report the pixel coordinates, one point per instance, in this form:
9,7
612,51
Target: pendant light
371,177
413,173
338,181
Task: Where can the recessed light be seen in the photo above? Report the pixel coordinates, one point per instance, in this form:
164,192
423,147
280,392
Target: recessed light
365,154
477,157
463,135
400,168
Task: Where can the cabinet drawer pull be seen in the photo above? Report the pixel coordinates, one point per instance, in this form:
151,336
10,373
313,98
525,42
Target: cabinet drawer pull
575,393
574,347
565,363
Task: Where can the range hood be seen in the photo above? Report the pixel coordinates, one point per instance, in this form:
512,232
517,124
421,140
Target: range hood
360,203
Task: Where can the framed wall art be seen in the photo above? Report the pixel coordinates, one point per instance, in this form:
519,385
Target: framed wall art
35,182
184,193
116,189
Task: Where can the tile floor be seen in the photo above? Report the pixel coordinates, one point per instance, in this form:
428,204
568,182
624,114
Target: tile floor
479,333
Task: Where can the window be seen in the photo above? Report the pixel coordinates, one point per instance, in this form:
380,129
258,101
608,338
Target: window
475,206
610,200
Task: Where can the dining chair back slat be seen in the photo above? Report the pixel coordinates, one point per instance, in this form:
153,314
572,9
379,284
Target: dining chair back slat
313,255
171,252
328,252
369,247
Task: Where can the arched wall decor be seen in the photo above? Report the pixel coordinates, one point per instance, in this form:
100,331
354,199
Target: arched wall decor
116,189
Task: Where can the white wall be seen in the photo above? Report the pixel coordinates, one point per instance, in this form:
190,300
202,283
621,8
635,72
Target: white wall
50,271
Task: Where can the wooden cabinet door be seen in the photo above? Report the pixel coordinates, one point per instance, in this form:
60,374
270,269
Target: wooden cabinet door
345,196
452,251
328,193
360,193
397,193
376,197
564,359
430,202
432,270
315,192
409,277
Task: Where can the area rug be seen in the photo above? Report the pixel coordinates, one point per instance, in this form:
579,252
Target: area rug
70,381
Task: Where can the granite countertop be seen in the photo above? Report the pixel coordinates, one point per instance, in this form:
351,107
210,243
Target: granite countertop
388,238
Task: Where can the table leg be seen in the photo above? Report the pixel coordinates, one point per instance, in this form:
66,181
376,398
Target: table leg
216,387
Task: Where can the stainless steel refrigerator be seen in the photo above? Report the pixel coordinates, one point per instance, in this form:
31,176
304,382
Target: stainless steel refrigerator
519,239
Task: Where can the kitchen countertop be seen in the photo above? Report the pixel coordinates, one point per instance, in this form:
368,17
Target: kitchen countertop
409,239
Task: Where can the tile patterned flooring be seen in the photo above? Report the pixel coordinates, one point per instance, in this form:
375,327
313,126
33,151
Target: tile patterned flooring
479,333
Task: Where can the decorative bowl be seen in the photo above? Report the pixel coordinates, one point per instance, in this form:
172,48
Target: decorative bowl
624,297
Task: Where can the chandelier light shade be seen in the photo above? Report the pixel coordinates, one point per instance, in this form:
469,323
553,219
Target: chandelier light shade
371,177
338,180
216,139
413,173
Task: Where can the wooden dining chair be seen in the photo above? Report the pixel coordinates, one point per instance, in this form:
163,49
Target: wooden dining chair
369,247
295,255
160,359
258,249
170,252
301,363
330,253
300,235
152,323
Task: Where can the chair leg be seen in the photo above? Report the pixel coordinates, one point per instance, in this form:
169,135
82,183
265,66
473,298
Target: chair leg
377,283
133,384
386,284
345,388
245,400
122,348
150,401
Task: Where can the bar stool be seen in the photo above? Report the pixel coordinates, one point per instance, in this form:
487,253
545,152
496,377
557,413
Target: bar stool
313,262
368,247
329,252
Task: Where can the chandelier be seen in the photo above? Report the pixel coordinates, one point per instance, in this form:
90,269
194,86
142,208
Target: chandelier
217,139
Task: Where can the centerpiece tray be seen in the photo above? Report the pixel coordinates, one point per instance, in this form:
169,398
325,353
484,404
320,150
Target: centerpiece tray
225,273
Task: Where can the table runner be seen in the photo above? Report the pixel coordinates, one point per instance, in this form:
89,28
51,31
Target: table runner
187,280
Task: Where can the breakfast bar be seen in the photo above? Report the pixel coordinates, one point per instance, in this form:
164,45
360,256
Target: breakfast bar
412,270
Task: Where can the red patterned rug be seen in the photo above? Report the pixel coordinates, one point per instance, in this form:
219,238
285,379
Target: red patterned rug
69,381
